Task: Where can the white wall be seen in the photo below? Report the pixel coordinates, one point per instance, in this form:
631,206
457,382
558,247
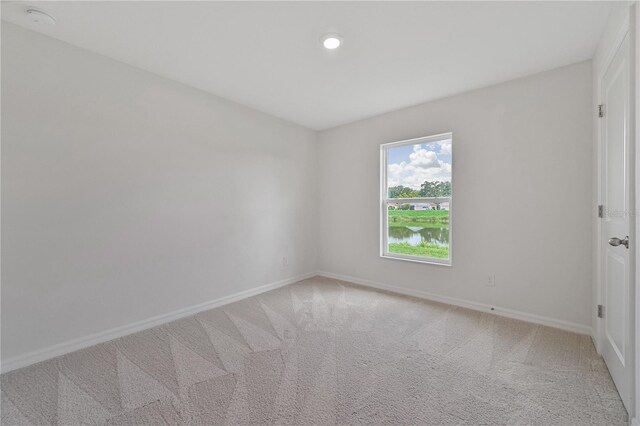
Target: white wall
126,195
133,196
522,190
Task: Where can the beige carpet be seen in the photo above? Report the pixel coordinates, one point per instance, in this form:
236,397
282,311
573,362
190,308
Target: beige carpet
324,352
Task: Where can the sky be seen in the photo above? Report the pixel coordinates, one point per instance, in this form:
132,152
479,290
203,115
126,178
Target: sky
411,165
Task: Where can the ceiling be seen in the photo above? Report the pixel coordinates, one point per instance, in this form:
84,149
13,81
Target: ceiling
268,55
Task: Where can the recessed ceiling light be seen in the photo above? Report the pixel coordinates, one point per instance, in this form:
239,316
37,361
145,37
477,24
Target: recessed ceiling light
331,41
40,17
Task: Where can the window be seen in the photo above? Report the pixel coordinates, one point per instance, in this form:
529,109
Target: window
416,199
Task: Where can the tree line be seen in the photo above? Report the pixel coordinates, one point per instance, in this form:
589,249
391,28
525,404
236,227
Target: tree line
427,189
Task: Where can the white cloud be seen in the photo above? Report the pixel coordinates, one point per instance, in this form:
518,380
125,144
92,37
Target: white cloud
423,165
445,146
424,159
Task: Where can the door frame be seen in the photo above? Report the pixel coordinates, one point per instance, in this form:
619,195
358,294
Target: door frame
627,28
635,82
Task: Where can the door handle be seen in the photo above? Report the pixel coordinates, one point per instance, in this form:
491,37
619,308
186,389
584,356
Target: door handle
615,241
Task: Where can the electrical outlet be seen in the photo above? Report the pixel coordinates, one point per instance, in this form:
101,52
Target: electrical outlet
285,261
491,281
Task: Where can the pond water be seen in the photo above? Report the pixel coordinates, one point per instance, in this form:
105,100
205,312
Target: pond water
415,234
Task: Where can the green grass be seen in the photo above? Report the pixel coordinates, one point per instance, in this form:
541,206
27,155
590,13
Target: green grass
422,249
423,218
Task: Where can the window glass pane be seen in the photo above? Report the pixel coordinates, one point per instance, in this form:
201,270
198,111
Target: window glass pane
419,170
418,229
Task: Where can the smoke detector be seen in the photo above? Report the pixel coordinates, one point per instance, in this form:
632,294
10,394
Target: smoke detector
40,17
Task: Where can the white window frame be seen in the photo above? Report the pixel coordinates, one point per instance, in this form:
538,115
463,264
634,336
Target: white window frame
384,201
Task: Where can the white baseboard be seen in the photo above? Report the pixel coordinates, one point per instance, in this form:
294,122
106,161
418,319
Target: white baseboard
104,336
510,313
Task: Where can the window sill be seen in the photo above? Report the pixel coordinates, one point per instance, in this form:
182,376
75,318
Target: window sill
417,259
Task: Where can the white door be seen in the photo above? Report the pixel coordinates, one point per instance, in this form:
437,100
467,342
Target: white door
617,226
